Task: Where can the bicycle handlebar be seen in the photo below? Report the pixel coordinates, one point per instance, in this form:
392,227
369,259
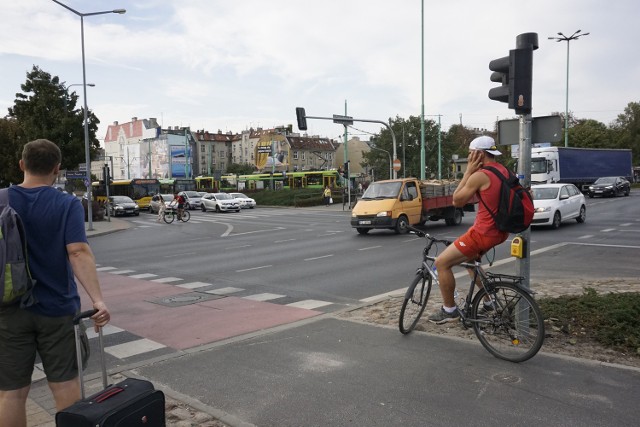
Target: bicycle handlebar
421,233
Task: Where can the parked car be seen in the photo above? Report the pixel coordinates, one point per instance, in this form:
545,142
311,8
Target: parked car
219,202
609,186
245,201
154,205
555,203
122,205
191,199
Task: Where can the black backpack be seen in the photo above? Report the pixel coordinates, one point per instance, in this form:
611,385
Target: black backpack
515,204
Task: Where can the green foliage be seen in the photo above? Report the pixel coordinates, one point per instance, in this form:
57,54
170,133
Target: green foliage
11,140
299,197
240,169
46,109
611,319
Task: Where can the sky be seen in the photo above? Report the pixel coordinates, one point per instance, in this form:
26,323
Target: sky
231,65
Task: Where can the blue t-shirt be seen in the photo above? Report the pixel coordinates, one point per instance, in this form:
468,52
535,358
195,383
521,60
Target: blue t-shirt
52,220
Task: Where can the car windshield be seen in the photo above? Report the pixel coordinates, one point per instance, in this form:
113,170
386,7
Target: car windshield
191,194
167,197
605,180
239,196
223,196
201,193
545,193
121,199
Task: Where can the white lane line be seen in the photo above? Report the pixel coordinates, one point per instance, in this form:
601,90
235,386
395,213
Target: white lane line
193,285
106,268
224,291
607,246
106,330
254,268
259,231
318,257
143,276
626,224
370,247
460,274
228,230
309,304
132,348
167,279
606,230
263,297
122,271
586,236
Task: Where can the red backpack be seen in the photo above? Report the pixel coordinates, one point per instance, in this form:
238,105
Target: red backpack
515,204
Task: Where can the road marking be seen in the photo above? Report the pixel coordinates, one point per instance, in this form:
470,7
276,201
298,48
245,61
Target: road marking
606,230
260,231
254,268
132,348
106,330
309,304
122,271
607,246
193,285
318,257
287,240
370,247
626,224
167,279
264,297
224,291
106,268
586,236
143,276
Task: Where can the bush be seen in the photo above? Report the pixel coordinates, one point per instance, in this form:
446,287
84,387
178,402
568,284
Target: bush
611,319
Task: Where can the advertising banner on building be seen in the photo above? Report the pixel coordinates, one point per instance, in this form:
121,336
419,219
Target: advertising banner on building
181,161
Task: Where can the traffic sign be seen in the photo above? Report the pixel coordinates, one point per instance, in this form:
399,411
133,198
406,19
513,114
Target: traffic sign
396,165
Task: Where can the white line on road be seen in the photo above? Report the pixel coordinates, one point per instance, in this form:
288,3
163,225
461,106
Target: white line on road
224,291
167,279
259,231
143,276
370,247
309,304
626,224
122,271
586,236
264,297
105,268
318,257
254,268
193,285
606,230
607,246
132,348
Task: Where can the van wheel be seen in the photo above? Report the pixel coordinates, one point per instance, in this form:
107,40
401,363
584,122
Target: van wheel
362,231
456,219
402,226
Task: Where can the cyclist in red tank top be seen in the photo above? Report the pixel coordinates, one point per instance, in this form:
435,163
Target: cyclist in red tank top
483,234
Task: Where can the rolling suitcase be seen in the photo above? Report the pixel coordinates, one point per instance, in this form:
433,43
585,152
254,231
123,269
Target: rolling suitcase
129,403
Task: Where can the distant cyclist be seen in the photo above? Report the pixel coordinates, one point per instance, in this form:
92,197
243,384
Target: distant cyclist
178,199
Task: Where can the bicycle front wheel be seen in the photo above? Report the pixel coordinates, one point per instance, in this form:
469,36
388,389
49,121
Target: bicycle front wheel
186,216
169,217
415,301
511,327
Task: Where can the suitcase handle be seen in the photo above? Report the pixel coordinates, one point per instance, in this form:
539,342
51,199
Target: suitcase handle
76,325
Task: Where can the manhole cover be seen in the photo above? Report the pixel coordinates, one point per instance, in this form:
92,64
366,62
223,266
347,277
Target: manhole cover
184,299
506,378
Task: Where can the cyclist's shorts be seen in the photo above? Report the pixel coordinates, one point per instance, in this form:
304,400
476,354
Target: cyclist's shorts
180,205
473,244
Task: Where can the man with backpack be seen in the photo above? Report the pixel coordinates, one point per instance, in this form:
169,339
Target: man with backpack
484,233
57,251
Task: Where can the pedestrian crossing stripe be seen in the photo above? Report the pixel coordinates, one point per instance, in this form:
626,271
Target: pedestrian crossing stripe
133,348
224,291
193,285
309,304
166,279
264,297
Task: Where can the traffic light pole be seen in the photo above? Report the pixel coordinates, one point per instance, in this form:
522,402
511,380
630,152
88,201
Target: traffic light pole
523,265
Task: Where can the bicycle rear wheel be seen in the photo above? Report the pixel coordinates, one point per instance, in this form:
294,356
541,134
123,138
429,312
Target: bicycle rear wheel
185,216
415,301
169,217
512,328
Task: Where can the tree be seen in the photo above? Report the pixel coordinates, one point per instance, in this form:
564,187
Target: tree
626,130
240,169
590,134
11,140
45,109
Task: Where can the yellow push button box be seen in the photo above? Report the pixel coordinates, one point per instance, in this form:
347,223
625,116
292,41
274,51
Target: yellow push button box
517,247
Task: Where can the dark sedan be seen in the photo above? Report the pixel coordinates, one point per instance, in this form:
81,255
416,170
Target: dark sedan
609,186
123,205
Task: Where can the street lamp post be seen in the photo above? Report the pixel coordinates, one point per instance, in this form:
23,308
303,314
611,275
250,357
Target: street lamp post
87,153
390,161
67,91
563,38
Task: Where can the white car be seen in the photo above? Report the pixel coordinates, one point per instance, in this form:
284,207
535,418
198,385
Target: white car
219,202
554,203
245,201
154,205
191,199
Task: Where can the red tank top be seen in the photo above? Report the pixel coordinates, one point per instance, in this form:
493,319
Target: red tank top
484,223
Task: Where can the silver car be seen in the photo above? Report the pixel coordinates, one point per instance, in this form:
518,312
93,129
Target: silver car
219,202
123,205
554,203
191,199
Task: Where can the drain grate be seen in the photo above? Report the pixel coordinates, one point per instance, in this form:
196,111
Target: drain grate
184,299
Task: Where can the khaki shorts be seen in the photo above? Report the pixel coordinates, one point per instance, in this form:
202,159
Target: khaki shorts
473,244
22,333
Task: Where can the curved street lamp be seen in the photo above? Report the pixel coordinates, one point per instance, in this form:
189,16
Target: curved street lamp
87,153
563,38
66,89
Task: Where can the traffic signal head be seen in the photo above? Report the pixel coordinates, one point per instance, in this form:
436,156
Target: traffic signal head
515,73
346,169
302,118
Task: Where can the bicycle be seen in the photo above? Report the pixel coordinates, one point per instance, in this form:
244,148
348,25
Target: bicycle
503,314
170,215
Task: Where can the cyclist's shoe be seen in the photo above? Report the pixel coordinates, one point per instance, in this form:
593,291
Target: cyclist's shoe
441,316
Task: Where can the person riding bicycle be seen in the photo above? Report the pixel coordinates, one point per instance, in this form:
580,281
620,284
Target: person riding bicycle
179,201
483,234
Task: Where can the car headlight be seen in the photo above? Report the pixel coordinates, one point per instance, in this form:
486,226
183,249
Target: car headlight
609,187
545,209
385,213
591,187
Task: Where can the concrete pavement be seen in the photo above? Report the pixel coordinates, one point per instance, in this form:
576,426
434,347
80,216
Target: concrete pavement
338,372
